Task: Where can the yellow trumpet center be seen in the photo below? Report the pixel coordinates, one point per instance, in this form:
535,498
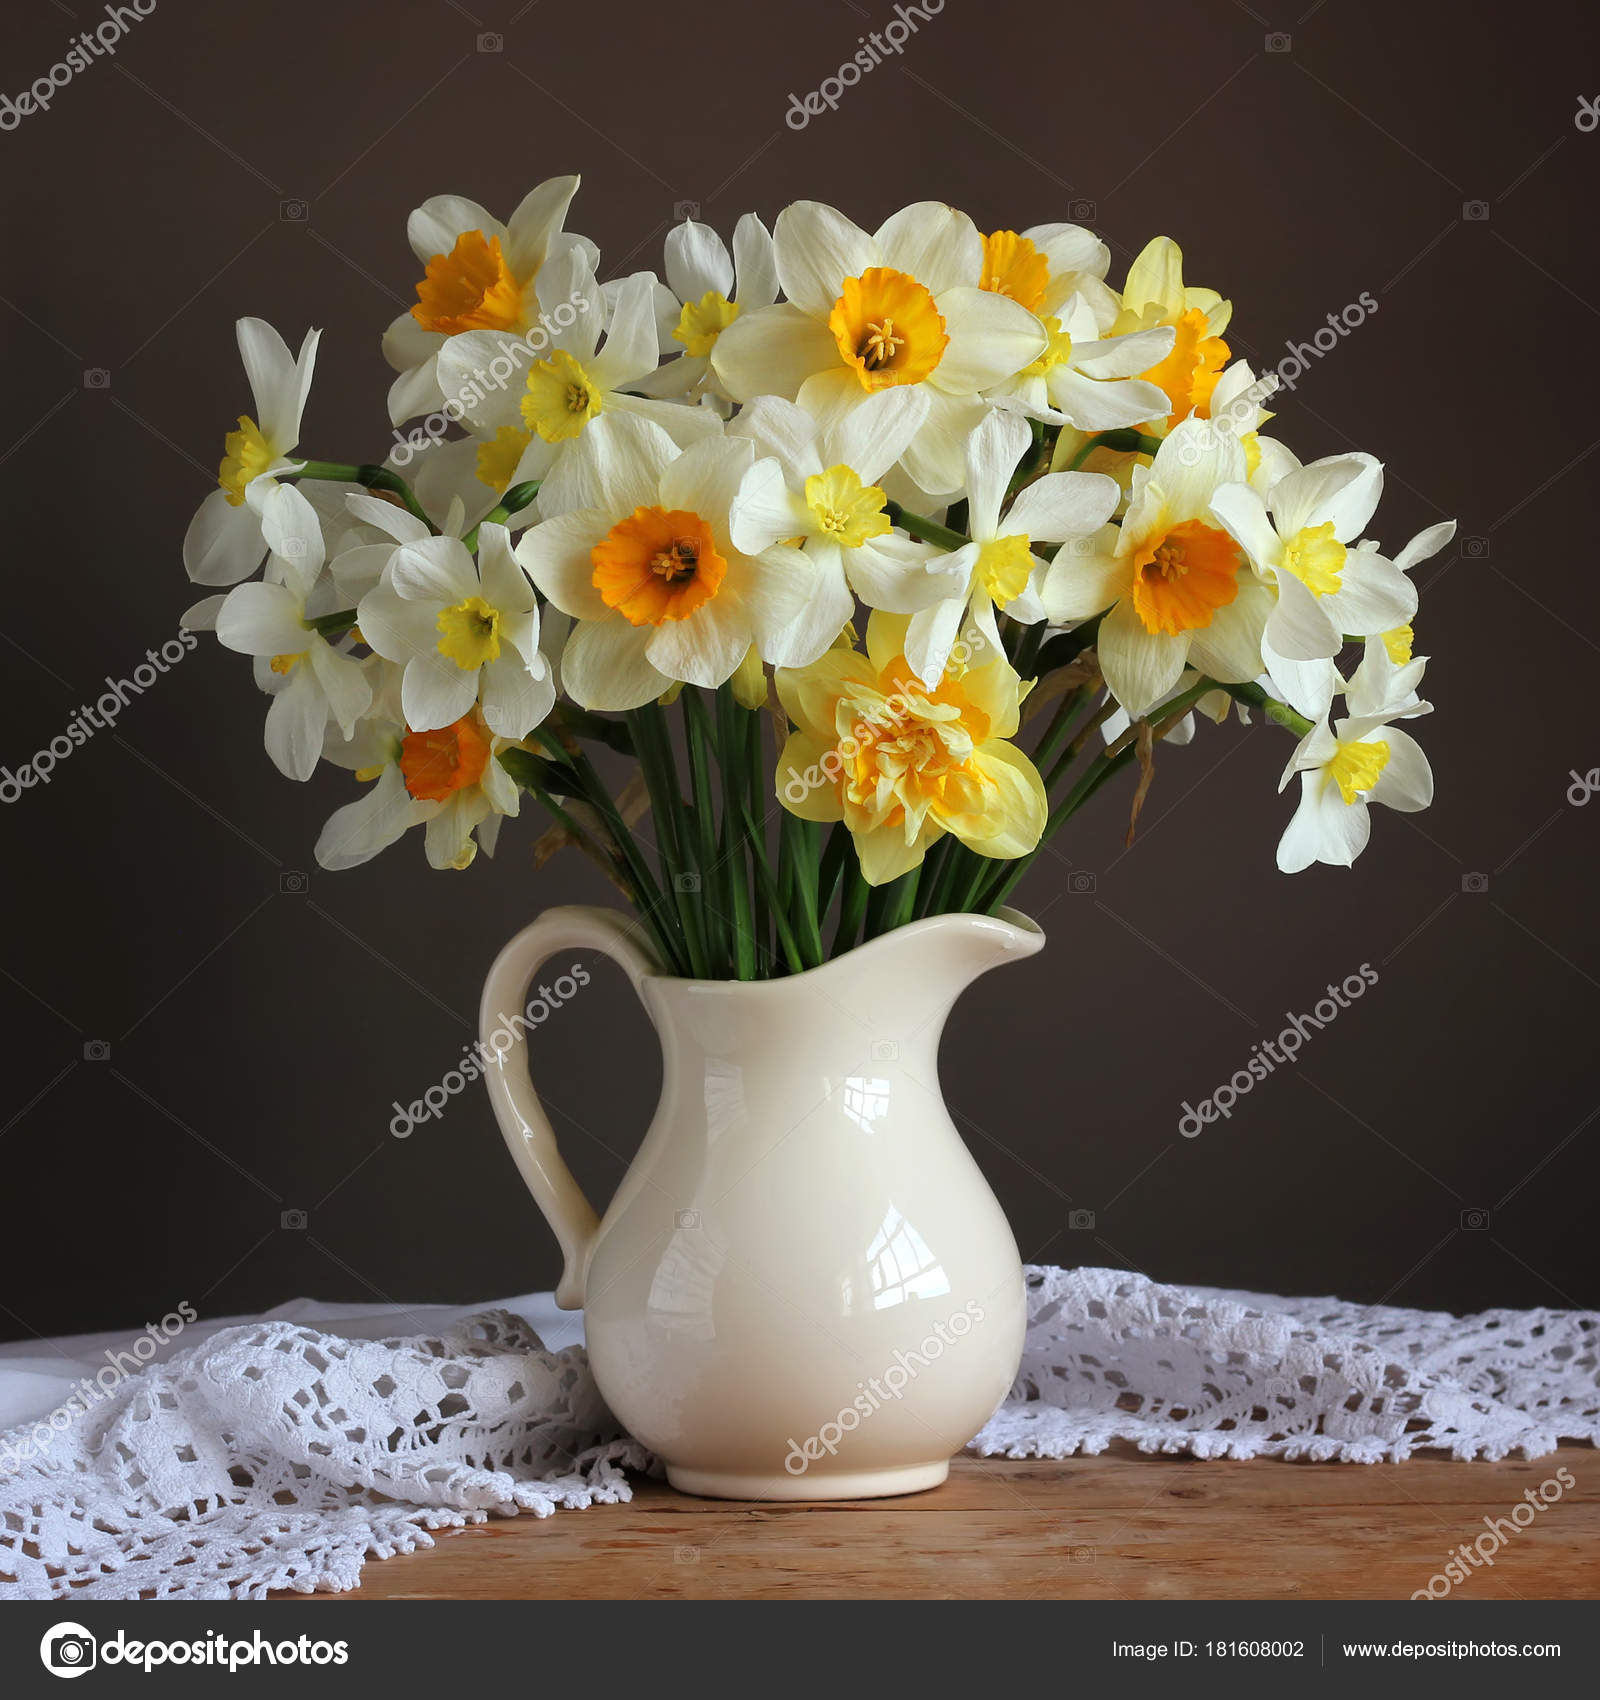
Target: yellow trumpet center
1189,373
660,564
1057,350
472,288
469,633
702,322
887,328
1356,765
1013,266
844,508
246,455
497,459
1004,565
561,398
1315,557
1182,577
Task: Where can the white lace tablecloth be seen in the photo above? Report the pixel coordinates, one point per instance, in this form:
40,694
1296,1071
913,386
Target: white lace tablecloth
285,1451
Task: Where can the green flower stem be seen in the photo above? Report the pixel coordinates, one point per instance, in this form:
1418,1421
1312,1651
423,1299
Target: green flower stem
832,865
715,871
1028,647
929,530
1109,762
593,790
797,837
1060,725
332,625
513,502
598,728
1122,441
750,803
1065,647
932,872
786,939
852,907
1280,713
732,754
666,805
1079,738
370,478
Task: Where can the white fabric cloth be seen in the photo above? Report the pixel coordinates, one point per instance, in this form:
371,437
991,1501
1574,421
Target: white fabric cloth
284,1451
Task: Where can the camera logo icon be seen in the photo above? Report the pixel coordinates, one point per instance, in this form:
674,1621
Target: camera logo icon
97,1050
1475,548
1082,881
292,1219
1278,42
1079,1220
68,1649
96,378
885,1050
1474,1221
686,1219
1475,212
686,882
1082,212
686,209
1474,882
293,883
294,211
490,42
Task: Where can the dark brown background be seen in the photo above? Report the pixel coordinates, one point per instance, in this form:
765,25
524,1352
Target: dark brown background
262,160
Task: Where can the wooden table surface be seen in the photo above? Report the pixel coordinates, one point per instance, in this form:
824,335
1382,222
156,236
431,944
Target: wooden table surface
1120,1526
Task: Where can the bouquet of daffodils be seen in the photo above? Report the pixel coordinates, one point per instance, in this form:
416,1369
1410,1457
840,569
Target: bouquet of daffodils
914,540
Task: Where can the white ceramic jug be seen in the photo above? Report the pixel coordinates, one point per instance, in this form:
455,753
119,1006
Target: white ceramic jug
804,1288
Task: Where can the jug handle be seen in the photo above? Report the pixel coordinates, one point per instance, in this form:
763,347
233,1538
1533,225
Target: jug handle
521,1116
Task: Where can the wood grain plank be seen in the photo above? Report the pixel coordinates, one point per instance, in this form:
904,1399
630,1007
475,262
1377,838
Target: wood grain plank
1120,1526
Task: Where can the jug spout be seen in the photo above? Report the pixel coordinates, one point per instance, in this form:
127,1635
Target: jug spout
918,971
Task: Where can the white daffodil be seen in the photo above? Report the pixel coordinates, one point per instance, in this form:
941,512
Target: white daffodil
817,491
998,569
462,630
1398,640
1174,586
712,288
637,547
311,681
526,426
865,313
1045,266
481,275
1155,294
1236,407
224,542
1297,537
1361,759
1086,380
448,781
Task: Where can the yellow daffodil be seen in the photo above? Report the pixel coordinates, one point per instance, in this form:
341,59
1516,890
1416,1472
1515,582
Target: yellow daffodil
900,764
